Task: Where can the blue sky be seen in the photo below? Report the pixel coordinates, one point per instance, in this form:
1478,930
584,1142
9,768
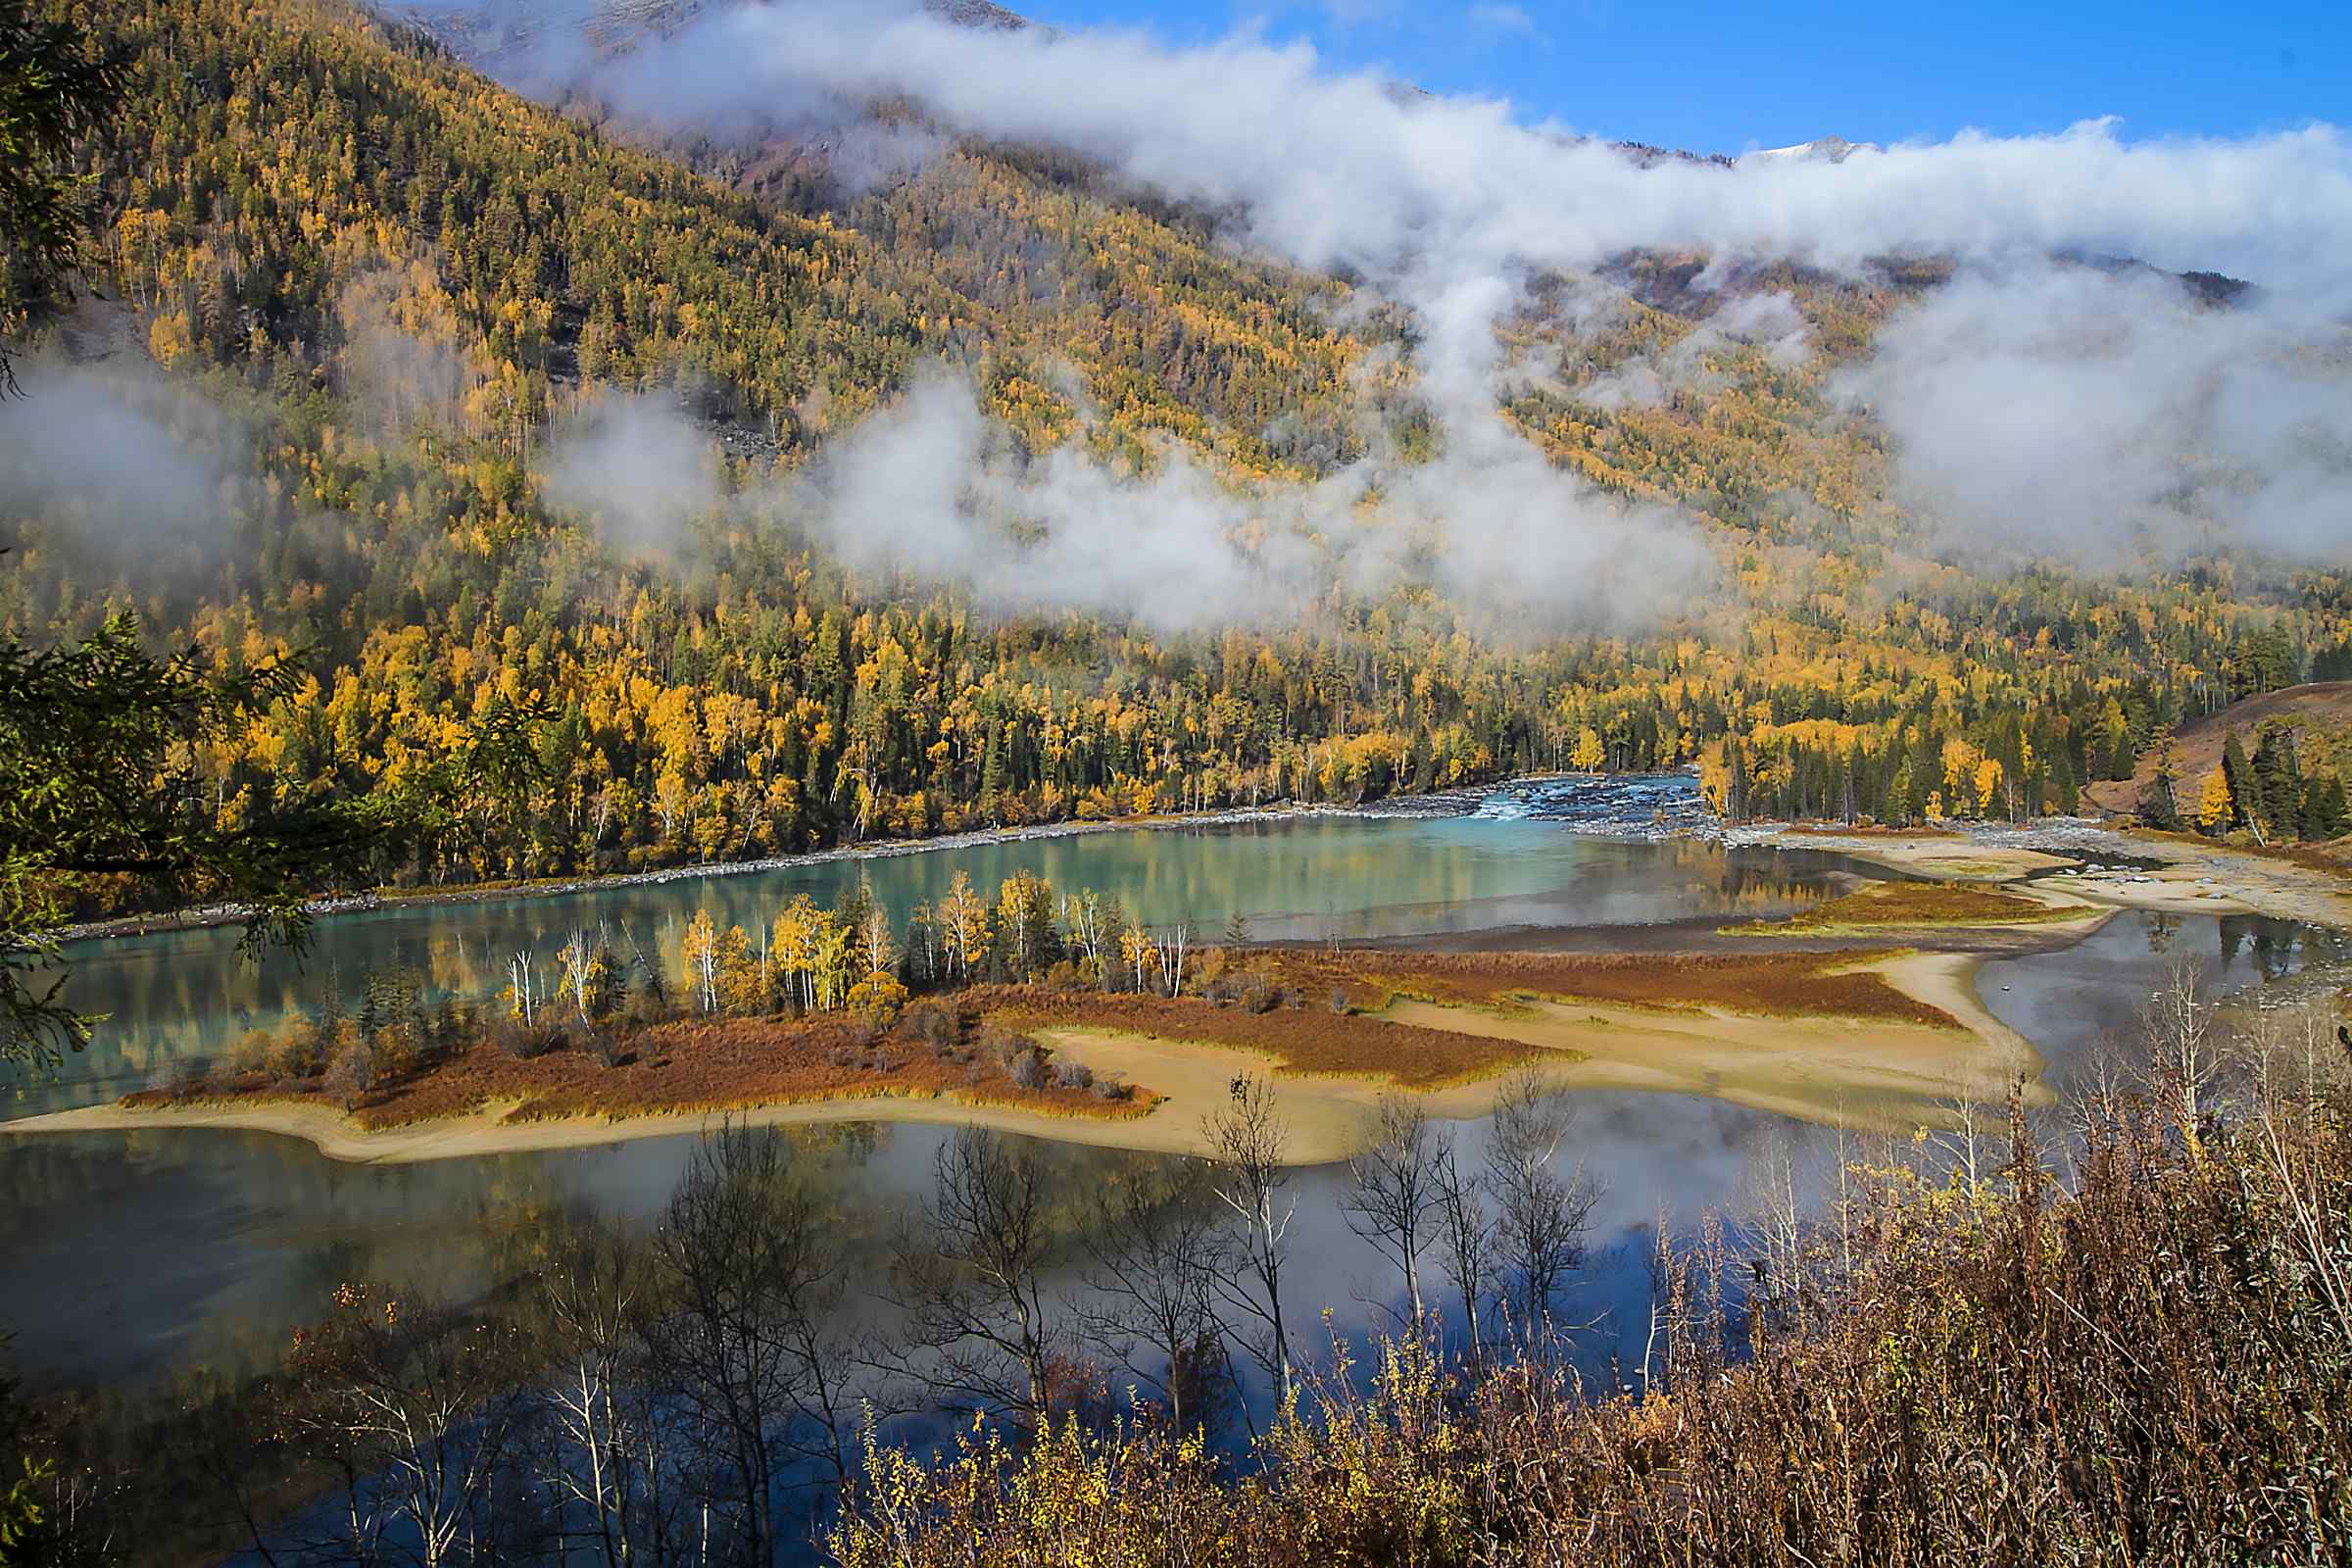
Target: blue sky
1716,76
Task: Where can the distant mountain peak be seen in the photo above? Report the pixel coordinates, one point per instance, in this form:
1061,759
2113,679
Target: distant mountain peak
1824,150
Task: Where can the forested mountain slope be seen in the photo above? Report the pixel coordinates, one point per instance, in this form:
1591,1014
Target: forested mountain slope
359,306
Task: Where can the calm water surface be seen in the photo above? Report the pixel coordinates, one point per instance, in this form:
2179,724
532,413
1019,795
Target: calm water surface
132,1257
189,992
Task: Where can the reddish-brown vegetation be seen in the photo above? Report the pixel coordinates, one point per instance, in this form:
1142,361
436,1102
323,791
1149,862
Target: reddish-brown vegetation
1772,984
1910,905
684,1066
1310,1040
1311,1019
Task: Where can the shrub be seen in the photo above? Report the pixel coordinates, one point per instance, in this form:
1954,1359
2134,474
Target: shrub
1003,1047
1028,1069
400,1049
350,1073
1110,1086
524,1040
1259,994
251,1054
1073,1075
300,1052
935,1024
876,1000
601,1044
644,1010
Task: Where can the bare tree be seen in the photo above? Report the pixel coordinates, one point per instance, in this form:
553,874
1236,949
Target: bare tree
1541,1210
612,1437
597,1299
1392,1197
1466,1243
1155,1242
1963,1143
1174,942
1770,1217
1247,1138
753,1274
413,1406
2184,1056
972,1281
1665,1292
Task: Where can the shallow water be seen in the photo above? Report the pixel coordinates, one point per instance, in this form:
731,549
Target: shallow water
134,1257
175,995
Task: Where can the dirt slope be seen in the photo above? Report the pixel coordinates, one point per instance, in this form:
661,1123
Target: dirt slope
2326,705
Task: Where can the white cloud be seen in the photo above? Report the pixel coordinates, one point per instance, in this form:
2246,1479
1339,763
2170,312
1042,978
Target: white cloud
1489,17
2107,416
636,467
930,489
1450,204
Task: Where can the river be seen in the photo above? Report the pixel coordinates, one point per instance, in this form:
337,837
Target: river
135,1258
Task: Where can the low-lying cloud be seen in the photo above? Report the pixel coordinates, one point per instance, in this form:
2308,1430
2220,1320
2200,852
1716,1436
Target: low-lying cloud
931,489
117,458
2019,399
2114,418
636,467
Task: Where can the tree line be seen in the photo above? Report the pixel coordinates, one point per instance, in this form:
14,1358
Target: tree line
394,277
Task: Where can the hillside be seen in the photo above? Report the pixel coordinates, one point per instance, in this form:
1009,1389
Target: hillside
2319,709
706,508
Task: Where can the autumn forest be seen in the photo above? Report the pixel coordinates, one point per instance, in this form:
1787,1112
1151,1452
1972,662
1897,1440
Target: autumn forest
379,282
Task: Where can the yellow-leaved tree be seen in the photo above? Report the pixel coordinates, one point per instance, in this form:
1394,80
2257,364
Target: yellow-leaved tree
963,914
700,949
2214,805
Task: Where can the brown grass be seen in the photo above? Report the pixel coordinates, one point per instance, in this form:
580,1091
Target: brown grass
1908,905
1309,1040
1870,830
1776,985
689,1065
2147,1354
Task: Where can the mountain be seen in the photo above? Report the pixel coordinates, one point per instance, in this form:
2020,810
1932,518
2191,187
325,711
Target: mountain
421,378
1824,150
499,35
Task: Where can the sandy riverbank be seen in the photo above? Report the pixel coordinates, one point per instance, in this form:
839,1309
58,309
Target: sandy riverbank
2188,878
484,1132
1846,1071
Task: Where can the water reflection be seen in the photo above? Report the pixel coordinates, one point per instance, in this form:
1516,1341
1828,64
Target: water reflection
179,994
131,1257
